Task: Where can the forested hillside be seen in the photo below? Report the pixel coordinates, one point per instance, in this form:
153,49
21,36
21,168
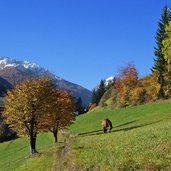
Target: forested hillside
128,88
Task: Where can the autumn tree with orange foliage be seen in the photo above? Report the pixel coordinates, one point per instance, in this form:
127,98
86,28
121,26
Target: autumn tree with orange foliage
147,89
61,115
137,95
25,105
32,103
124,83
151,87
133,91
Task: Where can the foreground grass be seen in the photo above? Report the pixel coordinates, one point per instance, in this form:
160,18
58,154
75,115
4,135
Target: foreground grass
15,155
140,139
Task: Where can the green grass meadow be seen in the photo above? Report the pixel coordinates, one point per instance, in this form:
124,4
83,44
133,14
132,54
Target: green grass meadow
140,140
15,154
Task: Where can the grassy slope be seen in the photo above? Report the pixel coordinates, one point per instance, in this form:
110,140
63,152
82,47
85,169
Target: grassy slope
141,138
14,155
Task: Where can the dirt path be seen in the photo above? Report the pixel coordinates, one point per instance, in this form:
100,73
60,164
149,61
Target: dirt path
63,162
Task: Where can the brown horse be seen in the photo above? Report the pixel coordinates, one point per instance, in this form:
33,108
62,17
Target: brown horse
107,125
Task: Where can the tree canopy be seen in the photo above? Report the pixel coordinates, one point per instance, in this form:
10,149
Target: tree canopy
160,64
61,115
32,103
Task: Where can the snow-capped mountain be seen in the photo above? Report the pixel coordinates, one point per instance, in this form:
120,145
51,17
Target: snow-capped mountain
9,62
6,62
109,80
15,71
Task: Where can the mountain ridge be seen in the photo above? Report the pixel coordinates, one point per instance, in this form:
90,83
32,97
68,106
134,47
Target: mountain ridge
15,71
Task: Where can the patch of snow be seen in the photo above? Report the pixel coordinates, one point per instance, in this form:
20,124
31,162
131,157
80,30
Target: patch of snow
22,65
10,65
109,79
58,78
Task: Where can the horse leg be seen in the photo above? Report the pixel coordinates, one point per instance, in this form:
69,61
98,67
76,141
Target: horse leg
104,129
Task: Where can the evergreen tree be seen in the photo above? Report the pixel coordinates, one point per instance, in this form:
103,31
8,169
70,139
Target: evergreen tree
79,106
167,54
98,92
110,84
94,97
160,65
101,90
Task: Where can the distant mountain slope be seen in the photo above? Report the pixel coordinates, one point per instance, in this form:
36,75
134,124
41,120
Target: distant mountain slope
109,99
4,86
16,71
5,132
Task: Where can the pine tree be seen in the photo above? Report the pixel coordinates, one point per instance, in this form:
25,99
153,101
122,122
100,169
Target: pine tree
110,84
79,105
94,97
102,88
98,92
167,55
160,66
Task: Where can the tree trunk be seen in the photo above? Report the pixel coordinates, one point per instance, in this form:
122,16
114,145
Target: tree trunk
32,132
55,134
33,143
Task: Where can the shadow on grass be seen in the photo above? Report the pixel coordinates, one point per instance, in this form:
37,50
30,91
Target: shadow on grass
98,132
101,130
125,123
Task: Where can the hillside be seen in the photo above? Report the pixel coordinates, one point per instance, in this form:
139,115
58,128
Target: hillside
108,99
140,140
4,86
5,132
15,154
15,71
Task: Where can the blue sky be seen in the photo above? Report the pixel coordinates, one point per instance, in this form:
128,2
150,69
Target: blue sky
82,41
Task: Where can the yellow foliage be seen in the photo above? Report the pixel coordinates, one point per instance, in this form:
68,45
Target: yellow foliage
151,86
35,104
91,106
167,46
25,105
137,95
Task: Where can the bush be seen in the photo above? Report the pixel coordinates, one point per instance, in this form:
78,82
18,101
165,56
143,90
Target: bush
137,96
91,106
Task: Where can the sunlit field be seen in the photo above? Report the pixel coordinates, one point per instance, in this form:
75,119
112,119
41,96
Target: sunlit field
140,139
